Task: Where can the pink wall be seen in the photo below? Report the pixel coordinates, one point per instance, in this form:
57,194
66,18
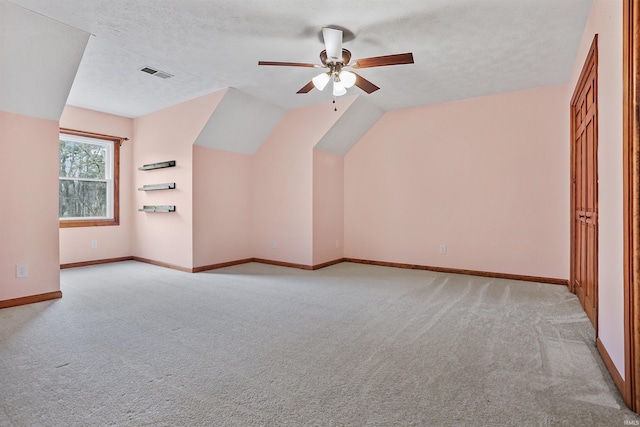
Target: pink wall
29,214
113,241
283,184
222,184
168,134
488,177
606,20
328,206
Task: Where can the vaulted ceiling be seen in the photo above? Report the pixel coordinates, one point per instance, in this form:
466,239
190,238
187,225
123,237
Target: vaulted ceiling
462,48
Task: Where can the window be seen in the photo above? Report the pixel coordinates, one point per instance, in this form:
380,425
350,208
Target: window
88,179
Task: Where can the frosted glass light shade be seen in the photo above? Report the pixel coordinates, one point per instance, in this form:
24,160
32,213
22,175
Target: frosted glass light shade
338,89
347,78
321,80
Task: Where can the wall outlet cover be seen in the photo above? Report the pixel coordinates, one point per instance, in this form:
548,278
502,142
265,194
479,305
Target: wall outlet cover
22,270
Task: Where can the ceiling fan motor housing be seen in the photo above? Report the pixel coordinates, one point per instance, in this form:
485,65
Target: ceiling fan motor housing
329,62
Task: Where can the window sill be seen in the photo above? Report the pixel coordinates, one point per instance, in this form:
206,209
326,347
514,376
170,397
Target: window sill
88,223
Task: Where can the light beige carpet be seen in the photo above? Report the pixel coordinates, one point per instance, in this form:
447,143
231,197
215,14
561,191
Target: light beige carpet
132,344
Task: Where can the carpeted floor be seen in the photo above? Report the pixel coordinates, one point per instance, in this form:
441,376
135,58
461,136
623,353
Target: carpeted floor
132,344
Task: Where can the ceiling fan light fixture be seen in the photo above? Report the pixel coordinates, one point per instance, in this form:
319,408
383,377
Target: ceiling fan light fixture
321,80
338,88
347,78
334,58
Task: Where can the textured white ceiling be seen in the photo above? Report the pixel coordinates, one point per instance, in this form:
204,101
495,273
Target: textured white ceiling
352,125
35,78
228,129
462,48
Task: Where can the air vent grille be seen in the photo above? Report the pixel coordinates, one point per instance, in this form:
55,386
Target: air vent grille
157,73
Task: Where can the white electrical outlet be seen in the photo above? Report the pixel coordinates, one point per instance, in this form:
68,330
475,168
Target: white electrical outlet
22,270
273,244
443,249
94,244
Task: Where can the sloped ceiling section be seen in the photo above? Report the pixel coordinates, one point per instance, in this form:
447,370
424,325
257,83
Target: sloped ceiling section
350,127
40,58
240,123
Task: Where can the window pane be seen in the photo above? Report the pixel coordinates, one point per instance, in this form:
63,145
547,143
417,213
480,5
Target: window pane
79,160
80,199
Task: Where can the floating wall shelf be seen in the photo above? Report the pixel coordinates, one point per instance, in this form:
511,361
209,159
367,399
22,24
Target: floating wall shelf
158,208
153,187
160,165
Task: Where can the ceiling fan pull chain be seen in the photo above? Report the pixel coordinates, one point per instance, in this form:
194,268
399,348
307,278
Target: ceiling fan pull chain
334,104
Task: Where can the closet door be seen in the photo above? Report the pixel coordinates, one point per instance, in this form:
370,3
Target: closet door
585,190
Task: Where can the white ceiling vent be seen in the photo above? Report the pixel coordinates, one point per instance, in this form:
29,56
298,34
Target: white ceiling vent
157,73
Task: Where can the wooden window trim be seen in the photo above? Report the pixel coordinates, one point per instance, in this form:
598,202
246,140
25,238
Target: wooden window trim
117,142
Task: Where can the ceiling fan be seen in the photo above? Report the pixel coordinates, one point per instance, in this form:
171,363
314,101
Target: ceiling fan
335,58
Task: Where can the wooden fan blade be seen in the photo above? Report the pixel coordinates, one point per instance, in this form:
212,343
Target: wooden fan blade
287,64
306,88
381,61
365,84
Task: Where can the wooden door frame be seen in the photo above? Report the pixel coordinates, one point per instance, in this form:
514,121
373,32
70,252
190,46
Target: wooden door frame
590,62
631,200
